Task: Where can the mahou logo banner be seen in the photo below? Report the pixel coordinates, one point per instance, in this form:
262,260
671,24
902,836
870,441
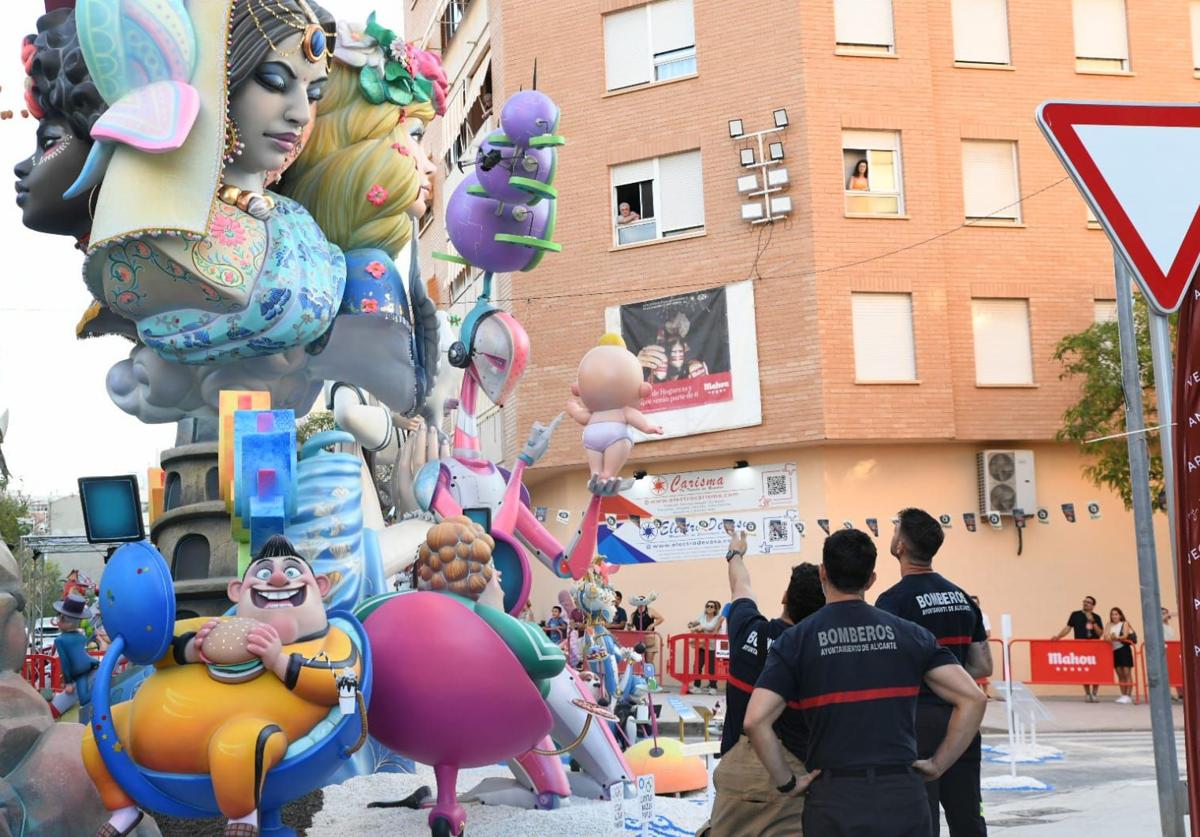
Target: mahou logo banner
1078,661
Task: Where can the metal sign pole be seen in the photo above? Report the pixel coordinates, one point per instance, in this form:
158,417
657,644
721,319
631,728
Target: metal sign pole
1164,389
1166,766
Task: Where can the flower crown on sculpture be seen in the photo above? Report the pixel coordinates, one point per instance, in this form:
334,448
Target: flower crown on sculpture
391,70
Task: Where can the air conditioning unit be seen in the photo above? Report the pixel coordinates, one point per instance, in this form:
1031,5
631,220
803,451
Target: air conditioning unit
1006,481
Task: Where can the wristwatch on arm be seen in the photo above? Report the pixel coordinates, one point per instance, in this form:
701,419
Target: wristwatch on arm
788,786
734,553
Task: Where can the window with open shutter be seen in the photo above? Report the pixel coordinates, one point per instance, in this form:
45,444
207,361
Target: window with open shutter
990,183
1002,341
883,337
980,31
648,43
1101,36
864,25
871,172
672,38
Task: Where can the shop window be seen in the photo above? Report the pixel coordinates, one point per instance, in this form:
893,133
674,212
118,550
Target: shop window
654,42
871,173
1003,354
864,26
991,190
883,337
1101,36
658,198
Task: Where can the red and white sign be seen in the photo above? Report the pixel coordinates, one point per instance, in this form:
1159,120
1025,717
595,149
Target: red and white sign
1174,663
1138,166
1080,661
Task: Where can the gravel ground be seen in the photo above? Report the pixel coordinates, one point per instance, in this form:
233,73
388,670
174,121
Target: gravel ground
299,815
345,811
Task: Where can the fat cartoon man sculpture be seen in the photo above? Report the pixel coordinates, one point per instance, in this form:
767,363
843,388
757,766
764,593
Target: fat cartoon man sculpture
231,694
608,391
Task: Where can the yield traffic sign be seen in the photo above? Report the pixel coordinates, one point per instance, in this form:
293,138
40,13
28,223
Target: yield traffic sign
1138,167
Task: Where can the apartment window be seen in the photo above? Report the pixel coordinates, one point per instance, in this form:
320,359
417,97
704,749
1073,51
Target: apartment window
980,31
1092,221
649,43
1195,11
883,337
452,18
1003,355
864,26
871,172
1101,36
1104,311
991,188
658,198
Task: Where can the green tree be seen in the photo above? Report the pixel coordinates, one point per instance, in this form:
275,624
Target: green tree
12,511
42,581
1094,357
312,424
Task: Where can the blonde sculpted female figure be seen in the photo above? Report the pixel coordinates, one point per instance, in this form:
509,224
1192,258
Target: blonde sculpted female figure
233,286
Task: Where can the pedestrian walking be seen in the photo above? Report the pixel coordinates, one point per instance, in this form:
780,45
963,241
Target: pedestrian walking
854,671
929,599
1085,624
746,802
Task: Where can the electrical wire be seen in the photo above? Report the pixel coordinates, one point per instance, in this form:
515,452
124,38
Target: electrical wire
529,299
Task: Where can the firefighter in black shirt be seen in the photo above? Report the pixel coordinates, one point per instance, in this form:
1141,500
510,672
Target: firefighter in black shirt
746,802
855,671
925,597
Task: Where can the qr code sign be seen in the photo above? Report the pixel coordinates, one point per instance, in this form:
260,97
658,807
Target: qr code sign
777,485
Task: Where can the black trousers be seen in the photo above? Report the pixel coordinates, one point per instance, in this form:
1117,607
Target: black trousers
712,665
881,806
957,791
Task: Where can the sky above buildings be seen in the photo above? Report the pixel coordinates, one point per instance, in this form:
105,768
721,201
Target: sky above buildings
63,425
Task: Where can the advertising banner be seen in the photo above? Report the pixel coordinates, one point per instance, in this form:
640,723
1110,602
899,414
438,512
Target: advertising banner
699,350
681,516
1078,661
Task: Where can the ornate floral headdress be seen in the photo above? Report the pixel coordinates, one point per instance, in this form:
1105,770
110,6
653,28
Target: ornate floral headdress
391,70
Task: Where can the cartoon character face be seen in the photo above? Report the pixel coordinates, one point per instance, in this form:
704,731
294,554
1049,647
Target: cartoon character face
272,110
285,593
500,352
610,377
45,175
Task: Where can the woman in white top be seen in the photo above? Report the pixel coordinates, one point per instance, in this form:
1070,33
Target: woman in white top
1123,638
708,622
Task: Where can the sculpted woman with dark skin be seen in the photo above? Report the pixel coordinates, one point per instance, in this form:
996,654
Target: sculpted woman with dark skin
61,96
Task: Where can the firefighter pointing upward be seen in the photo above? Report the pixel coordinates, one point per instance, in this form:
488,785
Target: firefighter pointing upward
854,671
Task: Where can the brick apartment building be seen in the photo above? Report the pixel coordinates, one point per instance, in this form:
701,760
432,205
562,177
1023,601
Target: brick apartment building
901,327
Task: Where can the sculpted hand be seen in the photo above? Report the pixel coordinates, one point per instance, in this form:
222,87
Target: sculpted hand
539,440
927,769
202,634
424,444
69,688
264,643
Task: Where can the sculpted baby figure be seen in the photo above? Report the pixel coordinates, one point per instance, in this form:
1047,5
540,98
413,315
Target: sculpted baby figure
608,392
